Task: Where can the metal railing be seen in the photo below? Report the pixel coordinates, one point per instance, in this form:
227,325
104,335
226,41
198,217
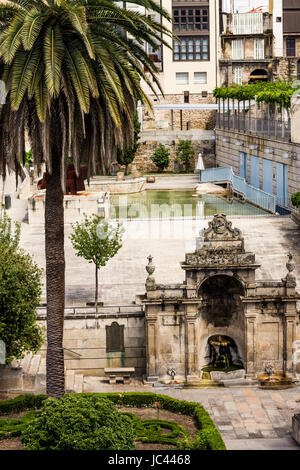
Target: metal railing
90,311
252,194
279,129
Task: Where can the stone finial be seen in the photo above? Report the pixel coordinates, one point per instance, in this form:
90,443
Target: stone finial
290,265
150,268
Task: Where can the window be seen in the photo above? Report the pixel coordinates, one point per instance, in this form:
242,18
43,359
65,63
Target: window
190,19
182,78
238,75
186,95
259,49
200,78
237,49
191,48
291,48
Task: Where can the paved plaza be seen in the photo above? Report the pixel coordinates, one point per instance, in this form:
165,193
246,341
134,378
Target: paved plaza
247,418
270,238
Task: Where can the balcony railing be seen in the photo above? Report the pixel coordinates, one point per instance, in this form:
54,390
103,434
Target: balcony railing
281,130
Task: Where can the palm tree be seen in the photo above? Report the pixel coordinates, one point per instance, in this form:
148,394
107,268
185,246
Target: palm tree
73,73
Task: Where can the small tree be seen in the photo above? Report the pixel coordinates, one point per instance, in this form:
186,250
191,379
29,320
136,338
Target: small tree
161,157
126,156
185,152
20,292
96,240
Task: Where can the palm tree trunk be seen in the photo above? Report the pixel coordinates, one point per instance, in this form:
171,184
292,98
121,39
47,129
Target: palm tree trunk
55,278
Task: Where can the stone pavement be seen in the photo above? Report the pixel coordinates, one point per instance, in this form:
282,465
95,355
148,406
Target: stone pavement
247,418
271,238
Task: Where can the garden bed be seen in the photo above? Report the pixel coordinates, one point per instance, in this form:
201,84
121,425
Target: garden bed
160,422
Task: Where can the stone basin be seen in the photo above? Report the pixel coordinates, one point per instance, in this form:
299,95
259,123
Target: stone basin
231,375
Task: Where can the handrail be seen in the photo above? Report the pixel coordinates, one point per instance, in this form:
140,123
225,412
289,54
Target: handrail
113,309
252,194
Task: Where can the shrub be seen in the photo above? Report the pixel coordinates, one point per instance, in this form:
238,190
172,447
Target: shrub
296,199
208,437
161,157
21,403
77,422
185,153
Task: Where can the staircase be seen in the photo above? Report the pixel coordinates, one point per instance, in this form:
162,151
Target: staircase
34,375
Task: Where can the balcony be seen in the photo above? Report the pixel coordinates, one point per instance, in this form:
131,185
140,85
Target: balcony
238,24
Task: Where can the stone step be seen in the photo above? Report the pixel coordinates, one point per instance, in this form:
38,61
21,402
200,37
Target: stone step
239,383
69,380
78,383
34,364
25,363
42,367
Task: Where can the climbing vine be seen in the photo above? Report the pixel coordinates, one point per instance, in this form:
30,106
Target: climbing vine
266,92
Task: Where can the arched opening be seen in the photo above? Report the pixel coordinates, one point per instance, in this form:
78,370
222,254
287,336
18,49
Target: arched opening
258,75
221,299
221,319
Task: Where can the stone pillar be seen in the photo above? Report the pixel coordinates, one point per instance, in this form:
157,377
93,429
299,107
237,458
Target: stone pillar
151,346
290,319
250,344
295,119
191,347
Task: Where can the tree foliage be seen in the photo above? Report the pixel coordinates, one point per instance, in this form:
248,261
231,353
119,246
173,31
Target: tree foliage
267,92
97,241
20,291
161,157
78,62
185,152
79,423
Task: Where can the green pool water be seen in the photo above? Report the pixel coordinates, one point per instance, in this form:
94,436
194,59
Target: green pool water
150,204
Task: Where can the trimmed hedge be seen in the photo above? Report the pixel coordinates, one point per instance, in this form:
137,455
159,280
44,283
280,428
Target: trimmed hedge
207,437
207,431
13,427
21,403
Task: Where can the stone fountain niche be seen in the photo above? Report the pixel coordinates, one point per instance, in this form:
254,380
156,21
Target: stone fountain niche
220,298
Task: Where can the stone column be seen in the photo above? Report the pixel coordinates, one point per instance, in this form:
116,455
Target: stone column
295,117
191,346
290,325
250,344
151,346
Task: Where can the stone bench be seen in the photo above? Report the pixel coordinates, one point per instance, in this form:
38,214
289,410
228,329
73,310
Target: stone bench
120,374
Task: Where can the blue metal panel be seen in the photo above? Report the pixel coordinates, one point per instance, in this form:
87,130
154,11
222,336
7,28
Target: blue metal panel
282,184
243,165
268,176
254,171
259,197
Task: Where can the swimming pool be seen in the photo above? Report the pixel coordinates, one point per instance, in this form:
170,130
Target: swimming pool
164,204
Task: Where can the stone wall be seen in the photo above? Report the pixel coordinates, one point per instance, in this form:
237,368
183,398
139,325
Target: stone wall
203,141
284,68
227,154
85,343
194,119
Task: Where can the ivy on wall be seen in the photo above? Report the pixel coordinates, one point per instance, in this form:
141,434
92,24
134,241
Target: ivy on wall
266,92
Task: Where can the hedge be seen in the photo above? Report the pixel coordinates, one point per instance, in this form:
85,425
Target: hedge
21,403
206,429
